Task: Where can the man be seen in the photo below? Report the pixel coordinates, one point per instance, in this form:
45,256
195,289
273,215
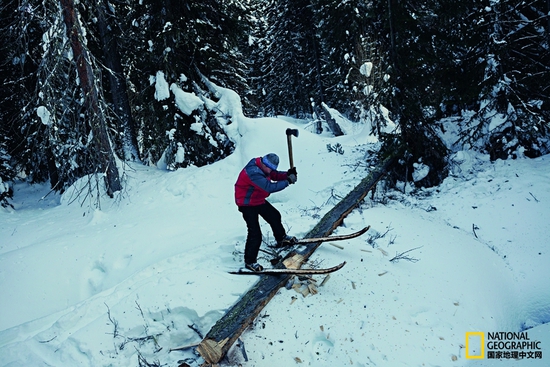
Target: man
257,180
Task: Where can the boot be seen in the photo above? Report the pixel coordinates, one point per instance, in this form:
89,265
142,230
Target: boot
254,267
286,241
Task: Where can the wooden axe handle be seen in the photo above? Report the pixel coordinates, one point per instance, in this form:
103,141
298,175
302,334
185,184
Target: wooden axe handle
289,142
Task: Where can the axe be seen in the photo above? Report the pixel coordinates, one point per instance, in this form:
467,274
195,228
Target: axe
289,133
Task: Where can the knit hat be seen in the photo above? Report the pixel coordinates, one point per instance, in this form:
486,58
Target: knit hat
271,160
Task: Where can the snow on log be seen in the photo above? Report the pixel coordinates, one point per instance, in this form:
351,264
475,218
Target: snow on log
228,329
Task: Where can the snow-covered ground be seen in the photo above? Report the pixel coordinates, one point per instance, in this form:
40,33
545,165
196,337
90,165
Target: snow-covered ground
121,285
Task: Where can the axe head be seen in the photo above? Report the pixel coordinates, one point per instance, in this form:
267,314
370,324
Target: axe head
292,132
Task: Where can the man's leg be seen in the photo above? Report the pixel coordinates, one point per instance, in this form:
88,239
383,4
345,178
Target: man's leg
273,217
254,234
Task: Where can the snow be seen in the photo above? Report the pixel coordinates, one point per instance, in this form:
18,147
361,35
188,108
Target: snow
44,115
366,69
186,102
420,171
161,87
4,187
105,287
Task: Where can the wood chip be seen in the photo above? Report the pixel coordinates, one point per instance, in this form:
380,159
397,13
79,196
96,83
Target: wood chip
382,251
325,280
294,262
312,289
183,347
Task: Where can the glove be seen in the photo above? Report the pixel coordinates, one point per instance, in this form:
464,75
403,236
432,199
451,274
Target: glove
292,171
292,178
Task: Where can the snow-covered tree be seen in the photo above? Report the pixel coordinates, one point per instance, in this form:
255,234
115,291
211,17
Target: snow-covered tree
514,109
7,173
180,46
290,65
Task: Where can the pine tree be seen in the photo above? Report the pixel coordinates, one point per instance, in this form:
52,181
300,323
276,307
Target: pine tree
289,65
355,69
407,29
254,46
22,26
7,172
512,120
103,155
108,29
182,46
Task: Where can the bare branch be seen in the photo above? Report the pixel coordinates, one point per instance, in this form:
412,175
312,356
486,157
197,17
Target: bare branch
404,256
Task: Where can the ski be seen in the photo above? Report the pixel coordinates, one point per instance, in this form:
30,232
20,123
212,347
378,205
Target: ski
341,237
277,252
284,271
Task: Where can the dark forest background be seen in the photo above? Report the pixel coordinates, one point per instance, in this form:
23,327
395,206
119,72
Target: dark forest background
78,78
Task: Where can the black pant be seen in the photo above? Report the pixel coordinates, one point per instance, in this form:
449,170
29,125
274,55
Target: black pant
254,236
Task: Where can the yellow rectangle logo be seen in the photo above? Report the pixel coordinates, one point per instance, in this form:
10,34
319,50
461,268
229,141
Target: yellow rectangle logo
475,345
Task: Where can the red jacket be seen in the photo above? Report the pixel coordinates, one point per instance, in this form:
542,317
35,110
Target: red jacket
253,185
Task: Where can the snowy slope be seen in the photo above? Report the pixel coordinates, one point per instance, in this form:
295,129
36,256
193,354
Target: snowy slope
147,272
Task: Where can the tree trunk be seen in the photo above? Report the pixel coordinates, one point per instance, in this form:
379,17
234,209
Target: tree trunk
318,73
331,122
105,158
121,104
52,168
227,330
392,34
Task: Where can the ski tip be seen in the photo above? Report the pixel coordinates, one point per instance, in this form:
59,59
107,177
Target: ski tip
239,271
245,271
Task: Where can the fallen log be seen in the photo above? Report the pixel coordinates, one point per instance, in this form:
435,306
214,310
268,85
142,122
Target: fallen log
228,329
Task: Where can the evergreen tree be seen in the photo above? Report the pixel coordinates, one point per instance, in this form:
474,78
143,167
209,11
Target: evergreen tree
289,66
412,62
184,46
254,46
102,154
7,172
46,123
355,69
23,24
123,122
407,31
458,50
514,114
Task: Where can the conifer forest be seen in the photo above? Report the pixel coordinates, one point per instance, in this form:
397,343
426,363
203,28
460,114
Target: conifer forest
79,79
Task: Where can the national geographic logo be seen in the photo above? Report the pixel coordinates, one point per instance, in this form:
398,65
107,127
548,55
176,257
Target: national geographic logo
502,345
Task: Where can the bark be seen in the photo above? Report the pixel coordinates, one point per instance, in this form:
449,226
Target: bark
52,168
331,122
318,69
106,161
228,329
117,82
